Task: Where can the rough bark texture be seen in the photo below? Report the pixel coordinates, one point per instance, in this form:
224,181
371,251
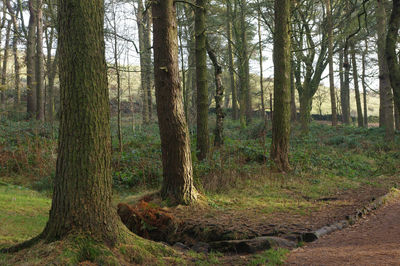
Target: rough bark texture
201,80
30,61
345,89
360,120
364,85
39,62
281,119
330,59
230,60
385,87
83,183
175,145
5,61
219,94
391,42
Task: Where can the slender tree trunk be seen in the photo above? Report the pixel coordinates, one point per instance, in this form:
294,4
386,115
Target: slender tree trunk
219,94
330,59
360,119
143,67
341,79
261,66
345,90
384,79
397,118
201,78
147,59
30,62
5,61
39,62
281,120
183,72
293,109
175,145
230,59
364,85
392,59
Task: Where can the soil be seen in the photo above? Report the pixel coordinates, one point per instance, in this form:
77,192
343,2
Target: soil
210,224
375,240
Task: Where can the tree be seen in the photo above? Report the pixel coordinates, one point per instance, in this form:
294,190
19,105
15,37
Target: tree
330,59
39,62
230,59
30,61
360,119
281,119
175,145
201,80
392,59
5,61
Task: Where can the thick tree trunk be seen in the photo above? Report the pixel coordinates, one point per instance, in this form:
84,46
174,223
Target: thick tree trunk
281,120
39,62
82,195
30,62
384,79
305,111
360,120
219,94
201,80
392,59
230,60
397,118
4,69
330,59
175,145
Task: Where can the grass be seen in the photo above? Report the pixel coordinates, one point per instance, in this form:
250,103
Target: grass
270,257
23,214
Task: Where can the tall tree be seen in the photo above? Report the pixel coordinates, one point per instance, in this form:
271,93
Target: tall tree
391,55
384,79
364,84
30,61
261,63
175,145
201,80
281,119
230,60
360,119
5,63
330,59
39,62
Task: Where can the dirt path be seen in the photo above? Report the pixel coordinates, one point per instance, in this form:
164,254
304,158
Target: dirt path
373,241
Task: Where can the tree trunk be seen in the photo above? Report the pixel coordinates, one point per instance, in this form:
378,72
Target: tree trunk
82,195
175,145
397,118
201,80
219,94
384,79
39,62
364,85
360,120
330,59
305,110
230,60
282,56
143,67
293,109
30,62
5,61
345,90
147,59
261,66
392,60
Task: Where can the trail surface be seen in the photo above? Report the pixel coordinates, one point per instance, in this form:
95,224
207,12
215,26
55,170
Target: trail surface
373,241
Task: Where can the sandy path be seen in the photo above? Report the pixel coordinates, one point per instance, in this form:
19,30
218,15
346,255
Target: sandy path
373,241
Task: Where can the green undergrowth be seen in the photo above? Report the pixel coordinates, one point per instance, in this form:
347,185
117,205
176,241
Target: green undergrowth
270,257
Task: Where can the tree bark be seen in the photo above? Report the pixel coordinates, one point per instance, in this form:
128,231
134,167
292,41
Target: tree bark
230,60
281,119
30,61
201,80
261,66
391,42
384,79
219,94
345,90
364,85
330,59
175,145
5,61
39,62
360,120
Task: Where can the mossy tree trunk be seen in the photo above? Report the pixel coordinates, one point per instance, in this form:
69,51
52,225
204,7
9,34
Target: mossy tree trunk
39,62
360,120
282,64
175,145
201,80
83,183
385,86
391,55
30,61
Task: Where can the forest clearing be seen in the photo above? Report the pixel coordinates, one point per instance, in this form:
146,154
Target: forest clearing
228,132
